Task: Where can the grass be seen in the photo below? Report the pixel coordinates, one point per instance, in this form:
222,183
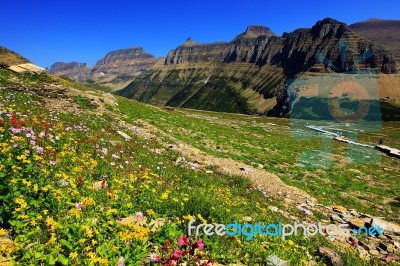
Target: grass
279,144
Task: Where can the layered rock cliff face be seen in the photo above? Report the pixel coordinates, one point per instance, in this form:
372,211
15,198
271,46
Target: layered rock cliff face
116,70
73,69
247,73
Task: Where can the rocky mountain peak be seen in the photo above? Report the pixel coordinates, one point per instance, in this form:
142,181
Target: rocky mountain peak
328,26
124,56
258,30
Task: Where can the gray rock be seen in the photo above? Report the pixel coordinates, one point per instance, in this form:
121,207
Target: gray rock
388,228
347,217
334,258
336,218
273,208
274,260
367,220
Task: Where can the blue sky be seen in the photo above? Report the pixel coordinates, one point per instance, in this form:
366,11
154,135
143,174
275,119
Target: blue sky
84,31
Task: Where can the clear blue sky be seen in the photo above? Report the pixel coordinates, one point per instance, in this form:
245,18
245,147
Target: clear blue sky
84,31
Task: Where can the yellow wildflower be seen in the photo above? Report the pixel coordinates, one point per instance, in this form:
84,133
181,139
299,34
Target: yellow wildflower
73,255
22,204
164,195
188,217
150,212
3,232
52,239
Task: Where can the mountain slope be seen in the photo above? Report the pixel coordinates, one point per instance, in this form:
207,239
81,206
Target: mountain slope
245,75
9,58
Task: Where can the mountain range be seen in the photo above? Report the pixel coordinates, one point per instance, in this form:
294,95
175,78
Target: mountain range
115,71
248,74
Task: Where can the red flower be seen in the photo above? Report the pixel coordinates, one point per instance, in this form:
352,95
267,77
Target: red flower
199,244
80,181
183,241
14,121
176,255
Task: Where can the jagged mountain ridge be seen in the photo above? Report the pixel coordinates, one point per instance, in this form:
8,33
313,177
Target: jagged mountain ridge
115,70
246,74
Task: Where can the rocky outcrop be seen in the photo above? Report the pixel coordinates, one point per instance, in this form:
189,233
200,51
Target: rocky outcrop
10,58
116,70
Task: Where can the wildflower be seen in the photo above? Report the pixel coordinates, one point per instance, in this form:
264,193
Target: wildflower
3,232
164,195
73,255
188,217
183,241
304,210
22,204
79,205
154,257
115,156
52,239
150,212
80,181
38,149
121,261
176,255
199,244
139,215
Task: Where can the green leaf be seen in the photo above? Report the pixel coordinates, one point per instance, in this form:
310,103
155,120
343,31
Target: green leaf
39,255
65,243
63,259
52,260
